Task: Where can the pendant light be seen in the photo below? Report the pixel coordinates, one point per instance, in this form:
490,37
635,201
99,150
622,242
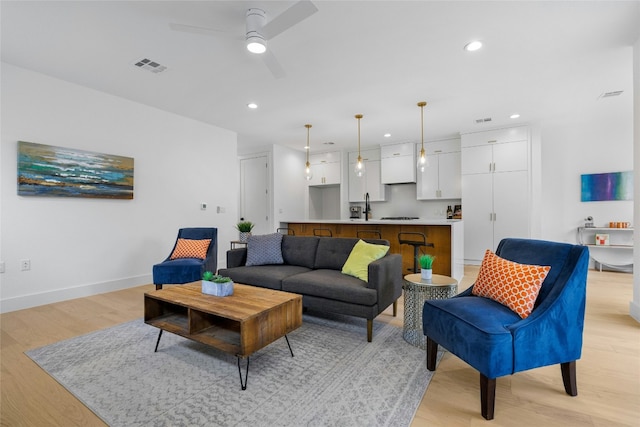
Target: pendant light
422,160
359,168
307,170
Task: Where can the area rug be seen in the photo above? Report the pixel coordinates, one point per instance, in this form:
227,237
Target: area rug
336,378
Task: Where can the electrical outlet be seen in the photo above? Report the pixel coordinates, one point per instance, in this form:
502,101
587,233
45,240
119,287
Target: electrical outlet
203,206
25,264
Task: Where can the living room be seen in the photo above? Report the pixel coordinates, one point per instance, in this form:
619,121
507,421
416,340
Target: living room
86,247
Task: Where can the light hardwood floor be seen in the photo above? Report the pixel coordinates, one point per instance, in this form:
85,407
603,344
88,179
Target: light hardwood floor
608,373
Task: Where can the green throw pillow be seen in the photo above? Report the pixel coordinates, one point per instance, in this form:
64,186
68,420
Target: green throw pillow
361,256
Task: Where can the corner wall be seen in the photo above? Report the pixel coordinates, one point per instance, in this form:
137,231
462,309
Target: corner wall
634,306
80,247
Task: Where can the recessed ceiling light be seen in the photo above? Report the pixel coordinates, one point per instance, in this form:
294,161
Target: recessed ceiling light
252,105
514,116
387,135
473,46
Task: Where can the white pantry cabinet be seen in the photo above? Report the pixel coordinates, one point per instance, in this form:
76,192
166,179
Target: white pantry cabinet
496,189
370,181
398,163
441,178
325,168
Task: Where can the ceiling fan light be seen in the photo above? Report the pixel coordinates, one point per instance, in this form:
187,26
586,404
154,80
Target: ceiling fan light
256,44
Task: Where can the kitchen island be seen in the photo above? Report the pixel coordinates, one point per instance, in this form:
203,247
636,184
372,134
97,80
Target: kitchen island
446,235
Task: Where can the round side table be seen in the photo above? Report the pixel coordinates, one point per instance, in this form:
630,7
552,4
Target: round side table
416,292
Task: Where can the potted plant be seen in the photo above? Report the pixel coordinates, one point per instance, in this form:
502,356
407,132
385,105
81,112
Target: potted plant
426,264
214,284
245,227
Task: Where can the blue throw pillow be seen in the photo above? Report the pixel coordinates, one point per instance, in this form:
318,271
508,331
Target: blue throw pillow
264,249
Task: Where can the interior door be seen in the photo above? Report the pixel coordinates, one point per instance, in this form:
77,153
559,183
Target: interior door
254,193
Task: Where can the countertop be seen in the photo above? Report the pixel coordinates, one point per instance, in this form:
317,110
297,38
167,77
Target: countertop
419,221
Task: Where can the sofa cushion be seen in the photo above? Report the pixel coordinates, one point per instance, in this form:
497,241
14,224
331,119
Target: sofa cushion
264,276
510,283
264,249
299,250
331,284
190,248
333,252
361,256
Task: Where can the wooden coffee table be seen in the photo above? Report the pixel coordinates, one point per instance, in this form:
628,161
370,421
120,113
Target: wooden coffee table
239,324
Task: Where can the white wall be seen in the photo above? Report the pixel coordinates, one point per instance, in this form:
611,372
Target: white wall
288,184
596,139
634,306
79,247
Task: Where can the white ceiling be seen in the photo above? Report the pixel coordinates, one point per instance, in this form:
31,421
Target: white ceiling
543,60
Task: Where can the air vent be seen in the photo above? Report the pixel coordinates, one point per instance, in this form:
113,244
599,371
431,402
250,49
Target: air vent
485,120
610,94
149,65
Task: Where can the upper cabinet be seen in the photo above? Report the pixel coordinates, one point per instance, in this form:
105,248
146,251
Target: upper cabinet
370,181
502,150
398,164
441,177
325,168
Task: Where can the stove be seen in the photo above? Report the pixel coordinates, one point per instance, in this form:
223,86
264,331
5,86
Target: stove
399,218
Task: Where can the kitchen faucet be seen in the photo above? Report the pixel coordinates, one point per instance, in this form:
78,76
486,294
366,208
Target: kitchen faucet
367,207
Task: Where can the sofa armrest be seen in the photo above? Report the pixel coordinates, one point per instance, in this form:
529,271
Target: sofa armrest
385,276
236,257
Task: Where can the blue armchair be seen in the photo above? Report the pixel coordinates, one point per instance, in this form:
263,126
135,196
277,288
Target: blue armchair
185,270
496,341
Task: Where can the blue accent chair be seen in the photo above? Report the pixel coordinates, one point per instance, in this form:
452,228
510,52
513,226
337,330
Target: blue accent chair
185,270
496,341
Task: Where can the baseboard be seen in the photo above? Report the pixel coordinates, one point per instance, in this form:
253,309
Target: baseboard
34,300
634,310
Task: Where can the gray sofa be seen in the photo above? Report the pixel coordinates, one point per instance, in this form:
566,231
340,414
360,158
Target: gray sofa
312,268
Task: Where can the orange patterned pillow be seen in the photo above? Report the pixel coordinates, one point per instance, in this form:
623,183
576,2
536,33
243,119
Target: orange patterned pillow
509,283
187,248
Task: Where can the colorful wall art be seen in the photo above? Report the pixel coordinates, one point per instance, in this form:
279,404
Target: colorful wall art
45,170
607,186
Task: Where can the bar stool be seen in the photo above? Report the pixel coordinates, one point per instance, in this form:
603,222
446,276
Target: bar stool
416,240
376,233
286,230
322,232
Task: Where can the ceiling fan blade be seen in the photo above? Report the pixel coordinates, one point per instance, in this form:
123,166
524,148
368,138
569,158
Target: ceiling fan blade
196,30
290,17
273,65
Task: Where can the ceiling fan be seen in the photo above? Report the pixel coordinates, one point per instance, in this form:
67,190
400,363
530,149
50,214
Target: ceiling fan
259,31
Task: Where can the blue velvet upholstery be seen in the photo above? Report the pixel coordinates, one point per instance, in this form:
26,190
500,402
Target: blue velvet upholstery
186,270
495,340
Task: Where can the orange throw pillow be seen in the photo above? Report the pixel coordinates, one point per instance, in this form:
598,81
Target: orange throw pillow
187,248
509,283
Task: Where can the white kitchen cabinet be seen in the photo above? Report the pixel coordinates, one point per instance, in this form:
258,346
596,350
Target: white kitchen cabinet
398,164
441,178
496,189
496,157
325,168
370,181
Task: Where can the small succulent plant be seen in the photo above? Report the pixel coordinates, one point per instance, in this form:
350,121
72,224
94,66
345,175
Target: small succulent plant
215,278
426,261
245,226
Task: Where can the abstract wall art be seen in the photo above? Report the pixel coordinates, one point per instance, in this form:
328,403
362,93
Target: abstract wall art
607,186
46,170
